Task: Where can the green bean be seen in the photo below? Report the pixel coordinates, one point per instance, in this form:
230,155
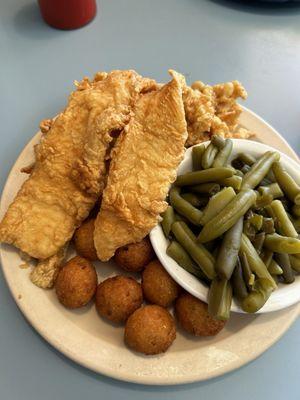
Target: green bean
245,169
284,224
296,210
167,221
247,273
179,217
217,203
239,173
208,175
219,299
262,290
273,189
257,221
209,188
268,225
209,156
262,201
282,244
259,242
238,284
218,141
286,183
274,268
267,257
246,158
265,181
197,154
229,250
237,163
295,263
296,223
284,262
249,229
259,170
183,207
234,181
197,252
223,154
227,217
194,200
256,264
177,252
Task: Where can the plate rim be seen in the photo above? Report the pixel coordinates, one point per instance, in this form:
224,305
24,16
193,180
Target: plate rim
118,374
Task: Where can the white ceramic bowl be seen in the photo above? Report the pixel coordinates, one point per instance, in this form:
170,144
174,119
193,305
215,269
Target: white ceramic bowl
285,295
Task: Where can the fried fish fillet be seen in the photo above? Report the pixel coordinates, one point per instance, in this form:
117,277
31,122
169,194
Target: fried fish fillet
69,171
143,165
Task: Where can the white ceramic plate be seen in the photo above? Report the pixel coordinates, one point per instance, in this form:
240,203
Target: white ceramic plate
285,295
94,343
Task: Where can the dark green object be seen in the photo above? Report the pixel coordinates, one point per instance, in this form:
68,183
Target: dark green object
286,183
282,244
205,188
183,207
209,156
219,299
209,175
217,203
195,200
168,220
238,284
262,290
283,223
285,264
197,154
223,155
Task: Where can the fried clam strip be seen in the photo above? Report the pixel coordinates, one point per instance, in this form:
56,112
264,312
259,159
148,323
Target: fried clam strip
45,272
58,196
213,110
144,163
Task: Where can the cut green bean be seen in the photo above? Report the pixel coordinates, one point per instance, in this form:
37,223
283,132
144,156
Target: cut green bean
177,252
205,188
267,257
183,207
286,183
227,217
268,225
168,220
259,170
259,242
257,221
197,252
209,156
257,266
239,173
247,158
234,181
197,154
223,155
262,201
229,250
262,290
273,189
238,284
296,210
282,244
274,268
208,175
219,299
247,273
295,263
217,203
283,223
195,200
284,262
218,141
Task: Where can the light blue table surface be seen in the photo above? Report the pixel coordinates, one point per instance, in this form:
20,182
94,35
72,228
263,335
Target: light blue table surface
209,40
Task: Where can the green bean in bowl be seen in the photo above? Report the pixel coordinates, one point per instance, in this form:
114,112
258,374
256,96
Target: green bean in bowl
229,235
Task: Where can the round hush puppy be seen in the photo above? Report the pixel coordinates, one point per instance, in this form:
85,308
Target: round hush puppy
158,286
150,330
76,283
194,318
135,256
118,297
84,240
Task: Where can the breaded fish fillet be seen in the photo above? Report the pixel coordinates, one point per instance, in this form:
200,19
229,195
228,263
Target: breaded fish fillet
143,165
69,172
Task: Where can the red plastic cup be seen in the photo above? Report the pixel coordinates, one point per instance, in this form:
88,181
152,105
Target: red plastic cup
67,14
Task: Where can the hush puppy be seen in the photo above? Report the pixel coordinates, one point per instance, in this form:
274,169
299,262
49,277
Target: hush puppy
84,240
76,283
135,256
118,297
194,318
150,330
158,286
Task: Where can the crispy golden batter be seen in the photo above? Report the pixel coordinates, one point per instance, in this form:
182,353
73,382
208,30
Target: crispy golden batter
144,163
69,172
